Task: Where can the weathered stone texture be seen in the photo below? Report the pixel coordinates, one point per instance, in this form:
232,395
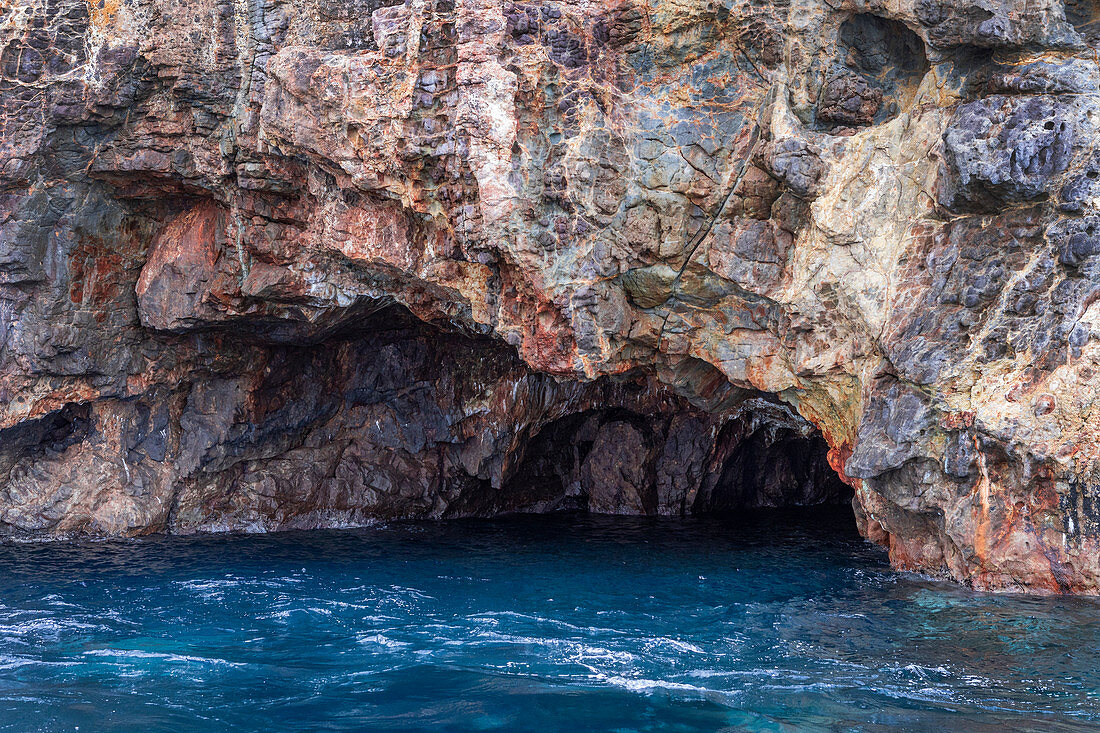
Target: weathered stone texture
299,263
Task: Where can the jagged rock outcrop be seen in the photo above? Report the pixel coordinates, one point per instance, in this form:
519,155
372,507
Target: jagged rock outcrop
295,263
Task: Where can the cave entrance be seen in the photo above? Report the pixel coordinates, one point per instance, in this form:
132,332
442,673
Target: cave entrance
875,74
770,467
680,464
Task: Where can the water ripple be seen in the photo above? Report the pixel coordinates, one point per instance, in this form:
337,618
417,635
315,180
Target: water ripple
558,624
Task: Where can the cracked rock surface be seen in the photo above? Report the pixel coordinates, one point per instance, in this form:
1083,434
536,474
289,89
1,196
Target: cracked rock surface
302,263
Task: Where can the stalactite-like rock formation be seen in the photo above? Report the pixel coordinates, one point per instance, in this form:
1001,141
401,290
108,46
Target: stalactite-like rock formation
300,263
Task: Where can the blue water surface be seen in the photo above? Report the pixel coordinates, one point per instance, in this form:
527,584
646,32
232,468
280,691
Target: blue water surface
775,622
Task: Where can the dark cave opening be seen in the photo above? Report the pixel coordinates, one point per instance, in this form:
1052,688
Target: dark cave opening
618,446
394,418
619,462
878,66
624,445
772,467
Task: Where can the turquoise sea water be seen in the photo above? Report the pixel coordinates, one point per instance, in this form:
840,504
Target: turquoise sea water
567,623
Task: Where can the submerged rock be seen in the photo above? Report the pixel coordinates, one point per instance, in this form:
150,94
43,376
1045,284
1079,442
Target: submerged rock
305,263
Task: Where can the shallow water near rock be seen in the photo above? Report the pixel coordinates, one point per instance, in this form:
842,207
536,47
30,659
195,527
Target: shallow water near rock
779,621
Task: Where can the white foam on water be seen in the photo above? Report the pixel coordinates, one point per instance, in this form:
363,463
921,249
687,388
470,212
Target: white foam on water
678,645
346,604
160,656
495,617
595,653
383,641
287,613
13,662
922,671
47,627
638,684
647,686
411,592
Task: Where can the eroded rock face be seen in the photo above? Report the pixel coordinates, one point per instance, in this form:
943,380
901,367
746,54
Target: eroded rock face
298,263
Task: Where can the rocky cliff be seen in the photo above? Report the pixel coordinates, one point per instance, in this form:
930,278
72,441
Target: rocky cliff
298,263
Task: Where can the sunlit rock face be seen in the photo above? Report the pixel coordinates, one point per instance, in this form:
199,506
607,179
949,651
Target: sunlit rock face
302,263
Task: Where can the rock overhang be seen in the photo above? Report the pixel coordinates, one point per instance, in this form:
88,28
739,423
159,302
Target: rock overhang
880,214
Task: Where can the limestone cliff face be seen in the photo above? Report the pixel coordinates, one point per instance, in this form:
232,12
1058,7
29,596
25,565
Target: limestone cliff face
298,263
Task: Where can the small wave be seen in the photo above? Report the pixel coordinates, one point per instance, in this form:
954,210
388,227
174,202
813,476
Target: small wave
495,617
289,612
637,684
47,627
572,650
13,662
345,604
808,686
925,672
648,686
161,656
411,592
216,588
595,653
677,644
383,641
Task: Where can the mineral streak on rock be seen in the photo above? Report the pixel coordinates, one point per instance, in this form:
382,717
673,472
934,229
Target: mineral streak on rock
302,263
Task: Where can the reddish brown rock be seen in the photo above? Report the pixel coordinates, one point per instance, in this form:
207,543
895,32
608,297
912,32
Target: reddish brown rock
311,263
